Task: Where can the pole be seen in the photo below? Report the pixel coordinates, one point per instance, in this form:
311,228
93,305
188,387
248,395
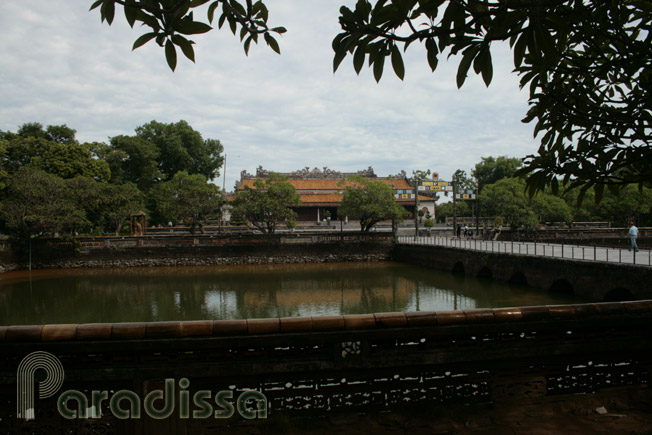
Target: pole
477,211
224,176
416,206
454,207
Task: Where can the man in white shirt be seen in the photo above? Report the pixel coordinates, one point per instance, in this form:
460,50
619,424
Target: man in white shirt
633,234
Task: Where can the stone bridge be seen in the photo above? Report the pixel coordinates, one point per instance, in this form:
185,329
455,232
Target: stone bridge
596,280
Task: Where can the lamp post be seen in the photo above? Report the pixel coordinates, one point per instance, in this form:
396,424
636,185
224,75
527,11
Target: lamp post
454,207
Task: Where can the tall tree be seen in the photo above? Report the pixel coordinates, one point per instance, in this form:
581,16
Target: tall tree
66,160
106,205
370,202
40,203
181,148
56,133
491,169
132,159
507,198
188,198
269,202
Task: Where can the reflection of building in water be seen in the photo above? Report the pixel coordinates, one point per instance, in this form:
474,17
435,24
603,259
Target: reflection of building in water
221,304
430,298
383,294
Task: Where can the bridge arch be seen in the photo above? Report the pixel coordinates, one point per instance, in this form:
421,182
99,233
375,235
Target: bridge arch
485,272
562,286
619,294
458,268
518,278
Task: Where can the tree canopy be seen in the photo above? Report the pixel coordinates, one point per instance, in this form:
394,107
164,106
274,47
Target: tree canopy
492,169
182,148
585,64
189,199
267,204
370,202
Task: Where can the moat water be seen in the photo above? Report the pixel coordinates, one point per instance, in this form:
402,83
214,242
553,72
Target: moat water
251,291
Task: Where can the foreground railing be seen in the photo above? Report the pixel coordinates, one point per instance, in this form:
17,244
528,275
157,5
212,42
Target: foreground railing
190,376
559,250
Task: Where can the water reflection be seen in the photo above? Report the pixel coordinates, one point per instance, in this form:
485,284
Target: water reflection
237,292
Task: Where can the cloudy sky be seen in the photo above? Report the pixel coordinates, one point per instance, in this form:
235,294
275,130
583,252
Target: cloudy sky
60,65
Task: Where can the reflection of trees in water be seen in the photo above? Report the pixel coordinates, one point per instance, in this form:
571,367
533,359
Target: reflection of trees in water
192,293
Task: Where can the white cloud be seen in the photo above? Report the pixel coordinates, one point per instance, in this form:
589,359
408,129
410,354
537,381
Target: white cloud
60,64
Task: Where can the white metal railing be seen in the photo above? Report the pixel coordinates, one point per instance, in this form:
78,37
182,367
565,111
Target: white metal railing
559,250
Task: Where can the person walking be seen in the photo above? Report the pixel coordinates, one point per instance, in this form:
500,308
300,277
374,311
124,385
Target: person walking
633,234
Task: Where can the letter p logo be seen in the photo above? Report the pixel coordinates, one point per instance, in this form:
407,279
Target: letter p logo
25,377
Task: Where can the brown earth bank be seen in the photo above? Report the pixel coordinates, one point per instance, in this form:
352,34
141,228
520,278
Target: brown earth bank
619,411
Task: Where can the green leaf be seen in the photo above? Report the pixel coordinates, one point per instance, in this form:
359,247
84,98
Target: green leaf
187,27
131,13
378,67
232,23
486,66
185,45
465,64
238,7
599,190
432,53
211,12
397,62
144,39
340,54
171,55
247,43
108,11
272,42
195,3
519,50
279,30
358,58
148,20
554,186
96,4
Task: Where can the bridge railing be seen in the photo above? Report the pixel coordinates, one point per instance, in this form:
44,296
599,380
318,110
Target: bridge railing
320,365
559,250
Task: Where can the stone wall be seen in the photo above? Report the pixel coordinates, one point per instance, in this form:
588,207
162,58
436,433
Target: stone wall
196,250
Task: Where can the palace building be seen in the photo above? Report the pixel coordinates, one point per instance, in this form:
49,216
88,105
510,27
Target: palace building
321,191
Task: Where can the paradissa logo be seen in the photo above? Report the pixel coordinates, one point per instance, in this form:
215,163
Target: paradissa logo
124,404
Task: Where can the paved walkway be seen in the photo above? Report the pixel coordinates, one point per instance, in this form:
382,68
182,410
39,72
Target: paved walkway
570,251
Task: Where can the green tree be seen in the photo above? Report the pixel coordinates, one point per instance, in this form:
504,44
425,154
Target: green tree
131,159
66,160
446,210
106,205
40,203
551,208
181,148
370,202
120,201
56,133
628,204
267,204
188,198
464,182
491,169
507,198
